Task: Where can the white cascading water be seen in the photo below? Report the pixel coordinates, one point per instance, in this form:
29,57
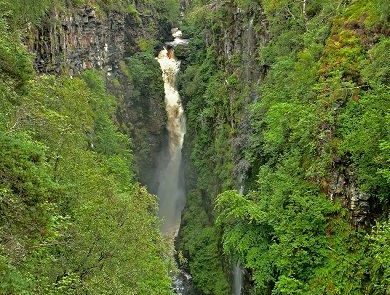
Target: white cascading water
238,278
171,192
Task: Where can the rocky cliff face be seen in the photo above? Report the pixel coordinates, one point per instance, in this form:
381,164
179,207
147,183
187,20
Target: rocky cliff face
242,35
343,187
78,40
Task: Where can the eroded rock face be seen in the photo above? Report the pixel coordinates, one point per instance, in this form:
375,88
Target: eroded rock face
343,187
241,36
245,32
74,41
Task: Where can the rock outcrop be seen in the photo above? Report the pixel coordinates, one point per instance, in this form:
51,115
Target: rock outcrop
344,188
77,40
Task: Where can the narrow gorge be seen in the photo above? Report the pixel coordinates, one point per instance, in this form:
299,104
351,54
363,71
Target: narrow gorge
194,147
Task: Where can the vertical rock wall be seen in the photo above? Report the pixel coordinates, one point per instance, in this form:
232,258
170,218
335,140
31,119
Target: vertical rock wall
237,44
78,40
242,35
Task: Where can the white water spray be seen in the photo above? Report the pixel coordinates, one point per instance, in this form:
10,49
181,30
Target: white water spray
170,191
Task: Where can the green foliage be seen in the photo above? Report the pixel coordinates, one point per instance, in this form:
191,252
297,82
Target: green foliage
21,12
380,264
73,220
142,109
322,107
199,241
285,233
246,4
146,45
15,64
365,127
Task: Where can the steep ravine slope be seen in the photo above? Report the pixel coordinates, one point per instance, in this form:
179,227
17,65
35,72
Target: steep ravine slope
121,45
288,100
73,217
286,150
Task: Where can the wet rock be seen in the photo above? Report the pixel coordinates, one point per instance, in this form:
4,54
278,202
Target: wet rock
182,51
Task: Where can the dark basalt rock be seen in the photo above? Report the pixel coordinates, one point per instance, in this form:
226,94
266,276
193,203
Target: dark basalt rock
76,40
343,187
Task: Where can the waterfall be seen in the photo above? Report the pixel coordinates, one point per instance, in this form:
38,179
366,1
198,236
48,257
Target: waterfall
170,191
238,278
238,273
